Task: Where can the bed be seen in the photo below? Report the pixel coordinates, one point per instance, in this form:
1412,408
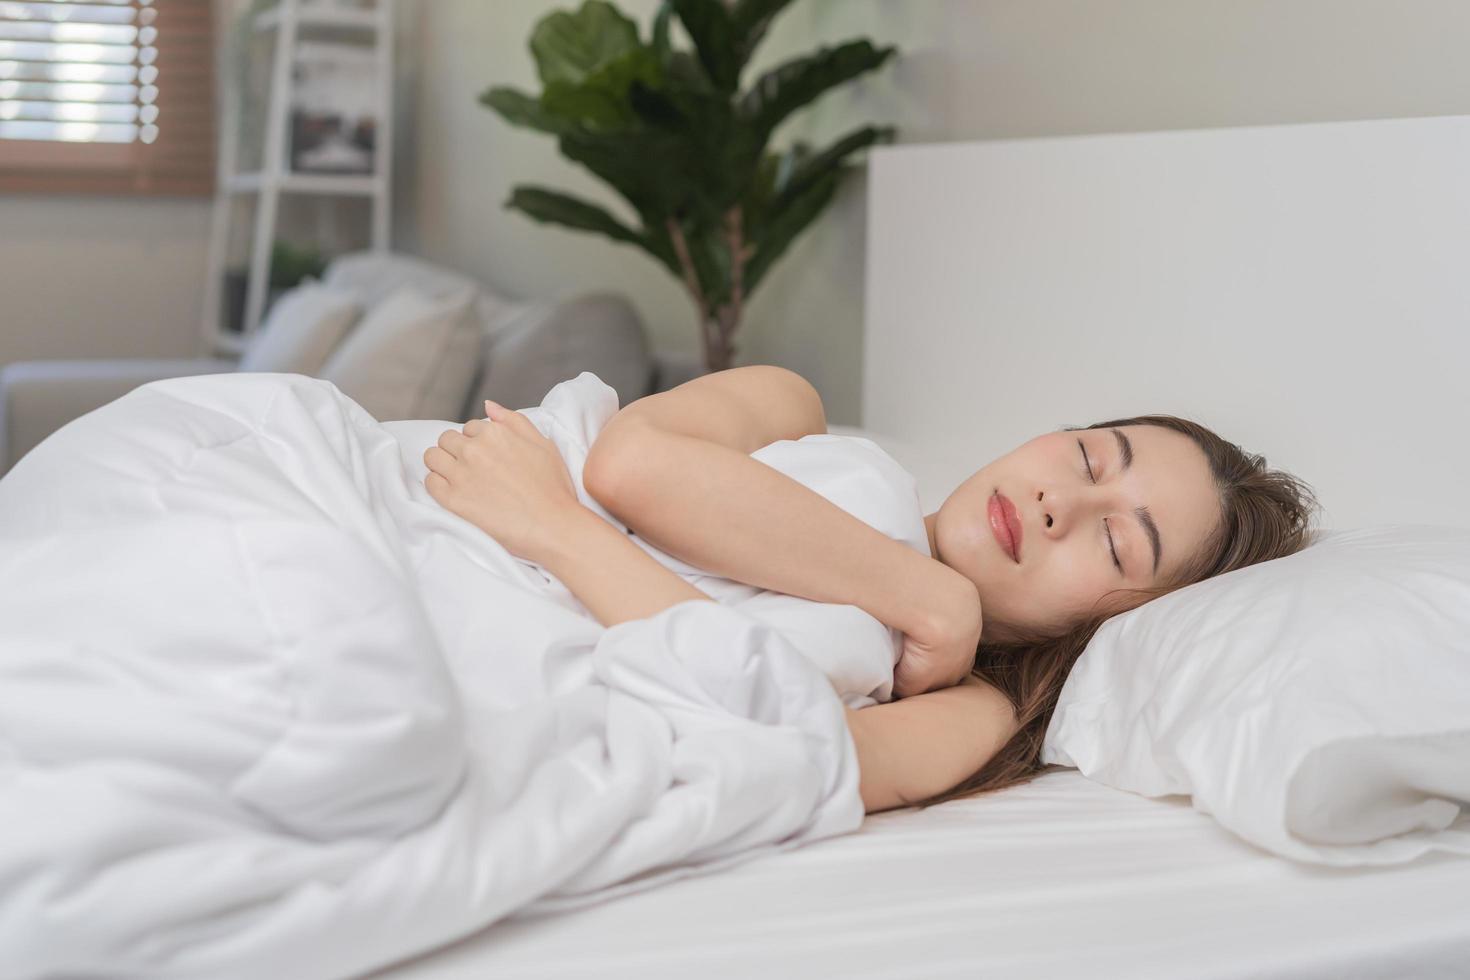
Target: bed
1301,289
1059,877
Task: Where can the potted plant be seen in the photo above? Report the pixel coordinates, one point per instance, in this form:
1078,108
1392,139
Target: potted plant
676,136
290,266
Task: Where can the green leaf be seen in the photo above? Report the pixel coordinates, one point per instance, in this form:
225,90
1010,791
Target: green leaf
750,20
786,88
711,257
593,108
799,153
570,46
655,108
786,225
554,207
520,109
771,175
659,42
813,168
601,100
291,263
682,71
709,27
650,169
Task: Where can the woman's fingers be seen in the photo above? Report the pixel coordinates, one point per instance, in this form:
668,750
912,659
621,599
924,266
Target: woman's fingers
436,458
500,415
452,441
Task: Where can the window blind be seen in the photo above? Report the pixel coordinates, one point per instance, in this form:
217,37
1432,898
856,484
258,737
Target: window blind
107,95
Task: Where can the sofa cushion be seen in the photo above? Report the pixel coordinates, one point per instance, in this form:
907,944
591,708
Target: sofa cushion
412,356
537,346
302,329
373,276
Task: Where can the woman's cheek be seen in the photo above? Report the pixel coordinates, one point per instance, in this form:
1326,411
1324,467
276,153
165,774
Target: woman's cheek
1073,588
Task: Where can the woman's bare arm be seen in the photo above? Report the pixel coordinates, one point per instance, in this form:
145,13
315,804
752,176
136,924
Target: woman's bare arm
744,408
911,749
614,578
678,472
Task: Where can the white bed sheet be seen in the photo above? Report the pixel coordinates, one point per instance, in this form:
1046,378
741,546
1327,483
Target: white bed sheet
1060,877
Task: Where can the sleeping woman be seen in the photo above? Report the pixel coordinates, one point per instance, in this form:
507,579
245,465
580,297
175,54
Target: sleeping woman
1031,554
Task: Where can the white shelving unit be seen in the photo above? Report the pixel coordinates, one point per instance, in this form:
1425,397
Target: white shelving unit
287,21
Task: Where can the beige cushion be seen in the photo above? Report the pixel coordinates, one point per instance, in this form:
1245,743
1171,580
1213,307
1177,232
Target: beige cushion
411,357
301,330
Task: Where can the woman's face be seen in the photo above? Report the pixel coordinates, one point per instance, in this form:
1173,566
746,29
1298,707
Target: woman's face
1153,487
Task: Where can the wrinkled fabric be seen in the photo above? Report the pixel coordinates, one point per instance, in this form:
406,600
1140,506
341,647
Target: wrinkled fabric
268,709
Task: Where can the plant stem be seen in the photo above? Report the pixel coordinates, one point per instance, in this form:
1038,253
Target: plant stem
734,232
686,263
730,312
691,283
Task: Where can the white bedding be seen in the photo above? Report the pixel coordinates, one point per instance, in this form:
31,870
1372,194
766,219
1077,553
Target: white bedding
268,710
1061,877
1058,878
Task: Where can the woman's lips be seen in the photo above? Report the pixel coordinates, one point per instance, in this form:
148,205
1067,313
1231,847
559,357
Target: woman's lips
1005,524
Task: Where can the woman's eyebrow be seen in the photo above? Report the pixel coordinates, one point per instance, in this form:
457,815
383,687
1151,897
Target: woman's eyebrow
1125,447
1152,529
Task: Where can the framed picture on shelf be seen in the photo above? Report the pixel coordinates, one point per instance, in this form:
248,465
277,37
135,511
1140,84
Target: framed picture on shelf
333,115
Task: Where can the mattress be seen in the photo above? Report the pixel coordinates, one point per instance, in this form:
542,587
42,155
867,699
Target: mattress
1058,877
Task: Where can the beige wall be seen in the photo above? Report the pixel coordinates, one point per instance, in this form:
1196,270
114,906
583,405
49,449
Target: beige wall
971,69
94,276
102,277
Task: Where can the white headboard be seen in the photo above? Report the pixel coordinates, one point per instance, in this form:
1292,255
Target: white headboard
1304,290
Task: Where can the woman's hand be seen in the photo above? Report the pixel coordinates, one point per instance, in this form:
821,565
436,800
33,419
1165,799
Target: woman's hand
941,652
502,475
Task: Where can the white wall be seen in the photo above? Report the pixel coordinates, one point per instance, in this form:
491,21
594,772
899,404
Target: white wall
1298,288
971,69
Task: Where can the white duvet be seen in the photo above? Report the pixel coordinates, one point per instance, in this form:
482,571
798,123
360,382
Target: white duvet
268,710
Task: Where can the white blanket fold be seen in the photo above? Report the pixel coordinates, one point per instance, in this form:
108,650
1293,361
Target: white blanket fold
268,710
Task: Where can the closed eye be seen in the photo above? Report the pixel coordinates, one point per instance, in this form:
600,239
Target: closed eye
1088,463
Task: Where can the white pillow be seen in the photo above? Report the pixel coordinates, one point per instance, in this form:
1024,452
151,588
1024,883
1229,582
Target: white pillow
411,357
303,326
1317,705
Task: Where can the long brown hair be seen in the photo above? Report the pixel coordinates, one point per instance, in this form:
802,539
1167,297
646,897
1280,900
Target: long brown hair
1264,514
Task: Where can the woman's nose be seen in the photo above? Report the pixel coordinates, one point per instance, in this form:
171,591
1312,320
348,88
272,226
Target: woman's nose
1061,510
1049,509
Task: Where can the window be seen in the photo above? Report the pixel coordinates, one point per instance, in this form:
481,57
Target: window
107,96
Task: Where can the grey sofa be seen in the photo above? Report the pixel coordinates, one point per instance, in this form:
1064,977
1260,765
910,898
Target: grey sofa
526,348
